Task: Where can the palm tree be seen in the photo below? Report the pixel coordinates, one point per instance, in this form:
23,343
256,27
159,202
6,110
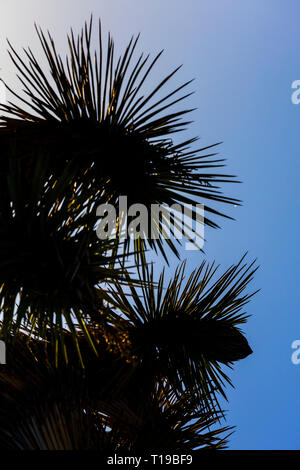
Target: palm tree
101,355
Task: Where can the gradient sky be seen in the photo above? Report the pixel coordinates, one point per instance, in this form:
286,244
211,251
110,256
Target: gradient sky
244,56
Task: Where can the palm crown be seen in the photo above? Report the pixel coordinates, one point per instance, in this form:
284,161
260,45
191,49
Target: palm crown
150,355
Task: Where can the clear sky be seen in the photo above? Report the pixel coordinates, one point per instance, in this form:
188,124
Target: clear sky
244,56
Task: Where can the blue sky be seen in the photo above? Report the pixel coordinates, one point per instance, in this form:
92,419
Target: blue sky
244,57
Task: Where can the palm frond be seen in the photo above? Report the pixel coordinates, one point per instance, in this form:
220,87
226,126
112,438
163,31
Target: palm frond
94,111
187,330
45,407
53,268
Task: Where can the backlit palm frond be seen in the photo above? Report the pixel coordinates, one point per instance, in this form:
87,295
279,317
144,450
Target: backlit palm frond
94,111
189,329
45,407
167,423
53,268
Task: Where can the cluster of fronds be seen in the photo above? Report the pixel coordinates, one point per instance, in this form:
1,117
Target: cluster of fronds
98,357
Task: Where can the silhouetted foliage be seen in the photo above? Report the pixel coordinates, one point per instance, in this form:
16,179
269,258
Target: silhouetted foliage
100,355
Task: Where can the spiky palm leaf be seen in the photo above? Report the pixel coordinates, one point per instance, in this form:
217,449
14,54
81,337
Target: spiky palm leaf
53,268
44,407
186,331
167,424
94,112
